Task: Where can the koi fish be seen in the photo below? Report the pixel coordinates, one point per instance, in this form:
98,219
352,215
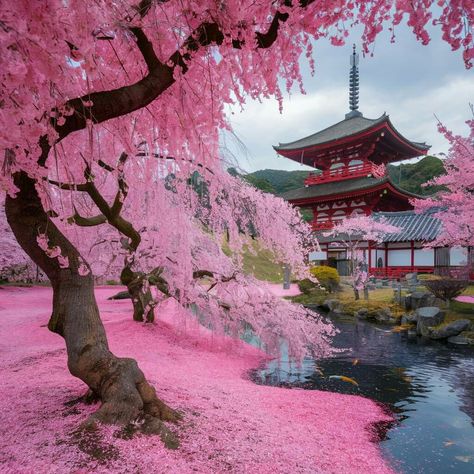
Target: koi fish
355,361
344,379
401,328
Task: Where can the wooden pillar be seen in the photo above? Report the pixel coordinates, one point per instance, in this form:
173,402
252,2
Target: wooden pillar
412,245
386,257
370,255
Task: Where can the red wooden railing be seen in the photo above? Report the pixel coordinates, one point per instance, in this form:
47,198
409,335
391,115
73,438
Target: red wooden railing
325,225
338,174
460,272
399,272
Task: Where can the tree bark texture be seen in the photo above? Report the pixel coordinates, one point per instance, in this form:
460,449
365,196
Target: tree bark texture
125,394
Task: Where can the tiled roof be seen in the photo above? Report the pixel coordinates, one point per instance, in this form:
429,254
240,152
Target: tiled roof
417,227
339,187
344,128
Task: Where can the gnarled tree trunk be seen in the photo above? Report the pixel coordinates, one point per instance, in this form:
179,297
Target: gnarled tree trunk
142,299
118,382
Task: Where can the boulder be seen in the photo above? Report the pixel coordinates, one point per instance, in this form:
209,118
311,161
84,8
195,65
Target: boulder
419,299
409,318
463,338
331,305
449,330
384,315
412,279
362,313
426,318
121,295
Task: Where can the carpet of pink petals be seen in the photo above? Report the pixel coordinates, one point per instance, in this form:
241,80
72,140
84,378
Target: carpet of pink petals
229,423
278,290
465,299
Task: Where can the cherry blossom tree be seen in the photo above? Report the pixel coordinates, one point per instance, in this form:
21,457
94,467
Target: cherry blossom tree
85,83
351,233
456,204
15,265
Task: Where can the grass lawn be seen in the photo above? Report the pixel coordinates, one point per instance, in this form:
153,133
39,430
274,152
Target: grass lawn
262,267
469,291
259,262
381,298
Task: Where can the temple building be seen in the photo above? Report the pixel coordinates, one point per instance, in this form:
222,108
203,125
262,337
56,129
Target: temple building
351,178
351,155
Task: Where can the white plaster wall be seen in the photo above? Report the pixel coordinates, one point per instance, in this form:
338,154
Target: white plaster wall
376,255
458,256
397,245
424,257
318,256
399,258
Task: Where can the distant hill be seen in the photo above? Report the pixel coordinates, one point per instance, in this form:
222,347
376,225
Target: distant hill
280,180
409,176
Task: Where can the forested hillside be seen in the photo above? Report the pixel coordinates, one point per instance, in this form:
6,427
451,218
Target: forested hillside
409,176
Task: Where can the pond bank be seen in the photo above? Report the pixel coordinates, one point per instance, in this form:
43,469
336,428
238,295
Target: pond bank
230,424
429,385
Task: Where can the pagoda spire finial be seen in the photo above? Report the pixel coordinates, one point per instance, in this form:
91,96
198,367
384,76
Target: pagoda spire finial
354,85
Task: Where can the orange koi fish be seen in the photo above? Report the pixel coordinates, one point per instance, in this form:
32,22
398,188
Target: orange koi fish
344,379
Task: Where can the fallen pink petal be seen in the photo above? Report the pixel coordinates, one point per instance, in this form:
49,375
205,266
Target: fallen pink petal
228,420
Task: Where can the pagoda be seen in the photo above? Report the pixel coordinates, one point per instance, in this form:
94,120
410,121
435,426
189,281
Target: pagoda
352,156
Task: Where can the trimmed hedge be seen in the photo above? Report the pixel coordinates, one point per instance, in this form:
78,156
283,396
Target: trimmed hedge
306,285
447,288
327,277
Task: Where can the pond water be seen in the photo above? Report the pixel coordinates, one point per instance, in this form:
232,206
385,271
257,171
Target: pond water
428,385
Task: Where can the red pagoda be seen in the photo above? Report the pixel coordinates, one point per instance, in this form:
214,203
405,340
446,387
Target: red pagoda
351,155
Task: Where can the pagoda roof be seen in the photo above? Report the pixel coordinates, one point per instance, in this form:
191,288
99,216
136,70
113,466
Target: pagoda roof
335,189
346,133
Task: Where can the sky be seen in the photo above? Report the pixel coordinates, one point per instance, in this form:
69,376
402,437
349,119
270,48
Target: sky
412,83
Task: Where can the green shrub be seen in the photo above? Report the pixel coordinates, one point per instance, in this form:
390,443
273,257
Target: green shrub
306,285
327,277
446,288
428,277
112,282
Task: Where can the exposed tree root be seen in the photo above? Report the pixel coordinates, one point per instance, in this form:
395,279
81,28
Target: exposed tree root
130,402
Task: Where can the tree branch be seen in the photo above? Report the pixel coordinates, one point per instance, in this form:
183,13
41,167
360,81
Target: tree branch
146,48
68,186
106,105
202,273
87,221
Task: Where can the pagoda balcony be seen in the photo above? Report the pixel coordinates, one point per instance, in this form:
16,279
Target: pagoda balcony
344,172
320,226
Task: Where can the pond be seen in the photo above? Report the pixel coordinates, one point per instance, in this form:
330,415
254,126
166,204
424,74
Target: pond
428,385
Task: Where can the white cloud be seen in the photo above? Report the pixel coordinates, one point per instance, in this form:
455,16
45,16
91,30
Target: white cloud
411,111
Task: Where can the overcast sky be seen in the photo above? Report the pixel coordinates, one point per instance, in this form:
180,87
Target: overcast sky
410,82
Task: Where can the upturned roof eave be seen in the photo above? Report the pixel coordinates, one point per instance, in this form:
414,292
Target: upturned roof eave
299,145
294,145
369,187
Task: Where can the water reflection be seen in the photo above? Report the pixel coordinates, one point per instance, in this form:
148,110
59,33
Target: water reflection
429,386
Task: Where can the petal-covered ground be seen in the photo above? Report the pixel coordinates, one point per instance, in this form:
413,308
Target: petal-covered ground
465,299
230,424
277,289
